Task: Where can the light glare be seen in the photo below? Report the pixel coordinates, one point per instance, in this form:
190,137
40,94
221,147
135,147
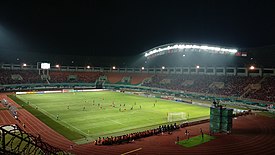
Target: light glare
204,48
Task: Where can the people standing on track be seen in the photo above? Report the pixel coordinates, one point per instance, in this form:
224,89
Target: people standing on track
201,133
188,135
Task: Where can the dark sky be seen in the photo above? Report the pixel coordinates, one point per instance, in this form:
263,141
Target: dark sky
99,27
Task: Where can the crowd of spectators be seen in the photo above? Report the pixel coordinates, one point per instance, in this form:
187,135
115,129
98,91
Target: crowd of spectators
64,76
266,92
22,76
233,85
32,76
137,135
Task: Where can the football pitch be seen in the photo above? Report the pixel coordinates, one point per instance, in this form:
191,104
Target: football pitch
107,113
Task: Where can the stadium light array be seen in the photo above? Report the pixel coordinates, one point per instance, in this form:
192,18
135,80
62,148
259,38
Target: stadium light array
201,48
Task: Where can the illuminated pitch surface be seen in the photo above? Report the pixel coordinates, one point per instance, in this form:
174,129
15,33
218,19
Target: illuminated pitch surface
105,120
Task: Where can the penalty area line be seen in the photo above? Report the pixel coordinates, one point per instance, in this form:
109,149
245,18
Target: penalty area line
131,151
117,122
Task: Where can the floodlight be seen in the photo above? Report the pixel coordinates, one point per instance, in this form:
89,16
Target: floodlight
142,68
88,67
179,47
57,66
114,67
197,66
163,67
24,65
251,67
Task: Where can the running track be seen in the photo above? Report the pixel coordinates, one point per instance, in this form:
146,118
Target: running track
252,134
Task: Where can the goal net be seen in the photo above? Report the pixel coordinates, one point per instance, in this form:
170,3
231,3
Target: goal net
176,116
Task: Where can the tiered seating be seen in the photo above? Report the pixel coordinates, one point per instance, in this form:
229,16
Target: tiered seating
201,83
19,77
223,85
88,77
138,78
219,85
115,77
61,77
126,80
267,91
193,83
234,85
120,77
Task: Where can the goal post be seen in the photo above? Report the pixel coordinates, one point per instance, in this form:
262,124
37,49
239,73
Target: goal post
176,116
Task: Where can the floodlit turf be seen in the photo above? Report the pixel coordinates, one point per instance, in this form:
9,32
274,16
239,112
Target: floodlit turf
195,141
91,114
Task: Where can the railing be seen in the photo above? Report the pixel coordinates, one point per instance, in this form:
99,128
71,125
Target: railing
14,140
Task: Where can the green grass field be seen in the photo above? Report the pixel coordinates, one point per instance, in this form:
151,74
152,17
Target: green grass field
195,141
75,122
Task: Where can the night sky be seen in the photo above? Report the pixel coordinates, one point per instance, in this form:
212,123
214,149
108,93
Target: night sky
116,28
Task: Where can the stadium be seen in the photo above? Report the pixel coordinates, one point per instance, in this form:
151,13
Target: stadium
122,77
144,110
